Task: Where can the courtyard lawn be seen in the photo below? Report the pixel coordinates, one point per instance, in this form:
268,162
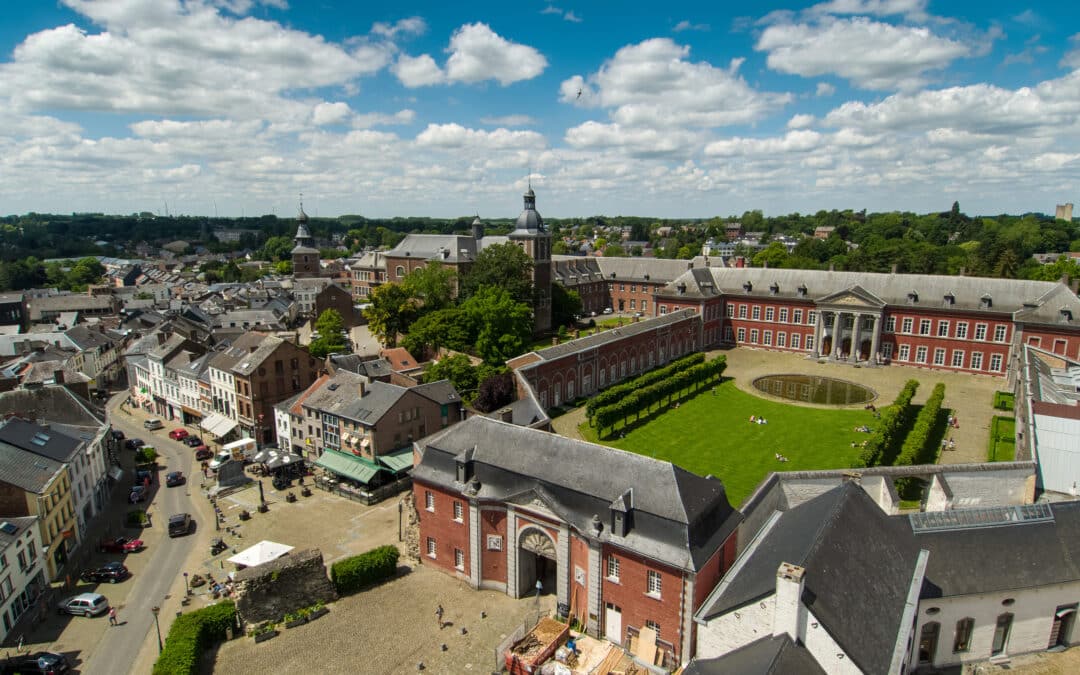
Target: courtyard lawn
711,433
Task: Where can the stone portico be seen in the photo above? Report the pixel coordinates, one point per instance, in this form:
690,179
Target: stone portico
848,327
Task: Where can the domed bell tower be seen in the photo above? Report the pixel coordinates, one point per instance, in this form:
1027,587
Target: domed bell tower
530,233
305,257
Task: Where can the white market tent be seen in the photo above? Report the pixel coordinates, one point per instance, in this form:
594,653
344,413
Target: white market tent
260,553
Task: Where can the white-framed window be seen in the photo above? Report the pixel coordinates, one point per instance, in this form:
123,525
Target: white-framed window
920,354
961,330
653,584
429,501
796,338
796,316
924,326
886,350
459,559
1001,331
729,309
399,270
494,542
811,318
781,339
431,547
766,338
995,363
939,356
890,325
809,343
742,335
770,313
783,314
663,310
980,331
907,324
905,353
459,512
755,313
612,568
753,336
649,623
742,311
727,334
943,329
976,360
958,358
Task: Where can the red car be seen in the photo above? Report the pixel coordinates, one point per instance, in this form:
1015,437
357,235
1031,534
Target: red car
202,452
120,545
178,434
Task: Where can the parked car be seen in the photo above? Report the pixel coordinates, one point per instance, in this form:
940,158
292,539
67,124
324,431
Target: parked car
120,545
192,441
608,310
143,475
134,443
174,478
179,524
153,424
118,435
84,604
112,572
178,434
47,663
202,452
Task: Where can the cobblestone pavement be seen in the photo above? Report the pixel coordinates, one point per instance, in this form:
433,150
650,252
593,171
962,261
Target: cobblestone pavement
970,396
390,629
1041,663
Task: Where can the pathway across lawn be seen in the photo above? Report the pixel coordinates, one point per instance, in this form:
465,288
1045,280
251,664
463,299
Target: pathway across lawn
712,434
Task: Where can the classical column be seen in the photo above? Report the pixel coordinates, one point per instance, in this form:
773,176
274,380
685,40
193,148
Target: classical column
875,338
838,334
819,332
856,325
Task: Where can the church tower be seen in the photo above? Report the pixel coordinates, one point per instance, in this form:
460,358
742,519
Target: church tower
305,257
529,233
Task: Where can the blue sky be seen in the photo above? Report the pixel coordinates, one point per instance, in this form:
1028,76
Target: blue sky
675,109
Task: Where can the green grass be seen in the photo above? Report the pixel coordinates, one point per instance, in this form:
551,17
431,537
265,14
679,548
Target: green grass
1002,439
712,434
1004,400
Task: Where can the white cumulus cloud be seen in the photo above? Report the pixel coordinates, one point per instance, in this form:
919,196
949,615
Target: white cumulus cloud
477,54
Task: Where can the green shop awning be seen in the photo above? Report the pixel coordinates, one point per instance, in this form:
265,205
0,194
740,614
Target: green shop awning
349,466
397,461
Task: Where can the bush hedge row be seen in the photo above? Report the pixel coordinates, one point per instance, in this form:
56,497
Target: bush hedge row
614,393
892,420
919,447
359,571
639,400
191,635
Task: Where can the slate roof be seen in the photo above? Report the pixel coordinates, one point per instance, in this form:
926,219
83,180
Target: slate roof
1006,295
441,392
572,270
372,368
457,247
604,337
679,518
775,655
85,337
26,470
22,524
378,399
995,559
250,362
249,348
39,440
859,567
53,404
335,391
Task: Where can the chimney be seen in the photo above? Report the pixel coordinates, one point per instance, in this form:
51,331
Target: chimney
506,415
789,614
360,389
58,376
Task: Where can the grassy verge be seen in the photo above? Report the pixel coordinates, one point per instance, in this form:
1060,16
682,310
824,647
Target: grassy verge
1002,447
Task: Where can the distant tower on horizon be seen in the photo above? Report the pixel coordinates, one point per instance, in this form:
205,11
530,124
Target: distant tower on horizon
305,257
530,233
1064,212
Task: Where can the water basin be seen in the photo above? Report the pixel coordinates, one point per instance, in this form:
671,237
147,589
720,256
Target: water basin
814,389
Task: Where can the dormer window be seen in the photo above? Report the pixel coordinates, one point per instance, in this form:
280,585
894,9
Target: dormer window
747,287
986,302
682,289
802,290
1065,315
913,297
622,511
774,289
950,299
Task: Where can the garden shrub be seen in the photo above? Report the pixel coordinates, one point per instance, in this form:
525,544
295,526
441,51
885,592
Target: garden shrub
192,634
359,571
892,420
920,446
641,399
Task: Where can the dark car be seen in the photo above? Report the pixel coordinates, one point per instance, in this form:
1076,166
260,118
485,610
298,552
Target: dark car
180,524
113,572
174,478
120,545
38,662
134,443
117,435
138,494
143,475
202,452
192,441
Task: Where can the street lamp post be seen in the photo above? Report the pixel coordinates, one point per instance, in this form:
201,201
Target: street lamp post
187,589
156,610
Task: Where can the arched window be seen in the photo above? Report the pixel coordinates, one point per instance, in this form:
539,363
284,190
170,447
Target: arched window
962,639
928,641
399,270
1001,633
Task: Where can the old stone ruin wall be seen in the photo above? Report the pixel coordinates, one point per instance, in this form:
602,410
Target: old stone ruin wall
271,590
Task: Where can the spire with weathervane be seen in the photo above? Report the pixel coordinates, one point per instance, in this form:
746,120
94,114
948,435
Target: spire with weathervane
305,257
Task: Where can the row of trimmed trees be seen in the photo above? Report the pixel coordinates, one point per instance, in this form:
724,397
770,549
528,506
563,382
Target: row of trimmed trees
920,446
614,393
893,420
639,400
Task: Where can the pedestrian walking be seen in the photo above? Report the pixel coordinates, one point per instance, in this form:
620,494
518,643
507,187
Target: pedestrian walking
112,617
438,615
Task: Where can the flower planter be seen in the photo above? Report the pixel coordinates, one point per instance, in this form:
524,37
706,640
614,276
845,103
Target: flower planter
316,613
263,508
305,492
296,622
263,637
290,497
245,515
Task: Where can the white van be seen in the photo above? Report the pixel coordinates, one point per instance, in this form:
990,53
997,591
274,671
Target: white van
220,458
243,450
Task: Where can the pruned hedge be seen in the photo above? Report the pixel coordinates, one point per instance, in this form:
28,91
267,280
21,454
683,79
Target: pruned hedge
892,420
614,393
191,635
919,447
359,571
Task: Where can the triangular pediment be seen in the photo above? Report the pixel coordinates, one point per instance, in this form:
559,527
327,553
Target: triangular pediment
855,296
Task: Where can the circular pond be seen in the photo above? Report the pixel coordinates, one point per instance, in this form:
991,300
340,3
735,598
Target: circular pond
814,389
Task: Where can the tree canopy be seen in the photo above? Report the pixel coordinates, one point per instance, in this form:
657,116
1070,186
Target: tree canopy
505,266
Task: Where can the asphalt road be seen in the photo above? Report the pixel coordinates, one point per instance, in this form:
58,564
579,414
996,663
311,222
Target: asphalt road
119,647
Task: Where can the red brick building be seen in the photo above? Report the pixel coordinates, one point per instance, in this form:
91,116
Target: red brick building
625,542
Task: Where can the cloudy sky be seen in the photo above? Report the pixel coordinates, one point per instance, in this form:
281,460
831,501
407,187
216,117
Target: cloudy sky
672,109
